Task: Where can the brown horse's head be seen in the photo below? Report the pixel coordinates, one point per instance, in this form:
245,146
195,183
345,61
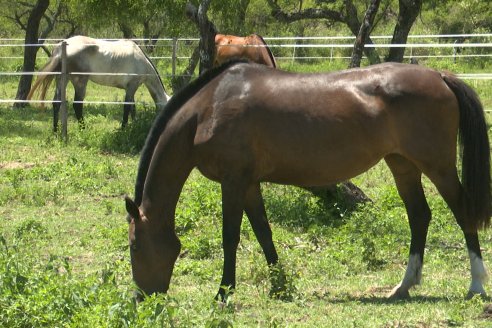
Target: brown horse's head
153,251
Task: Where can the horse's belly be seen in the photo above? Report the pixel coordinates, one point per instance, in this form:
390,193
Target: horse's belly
310,171
116,81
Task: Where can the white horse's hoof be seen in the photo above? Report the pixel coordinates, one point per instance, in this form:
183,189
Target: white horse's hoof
398,294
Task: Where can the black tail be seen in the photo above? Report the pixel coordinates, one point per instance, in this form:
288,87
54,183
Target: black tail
475,148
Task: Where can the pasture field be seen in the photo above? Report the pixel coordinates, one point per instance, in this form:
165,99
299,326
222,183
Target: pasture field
64,260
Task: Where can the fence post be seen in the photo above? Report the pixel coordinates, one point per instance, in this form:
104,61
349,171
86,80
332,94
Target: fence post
175,46
63,92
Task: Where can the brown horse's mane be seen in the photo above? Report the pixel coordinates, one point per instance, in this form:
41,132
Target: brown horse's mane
160,122
268,50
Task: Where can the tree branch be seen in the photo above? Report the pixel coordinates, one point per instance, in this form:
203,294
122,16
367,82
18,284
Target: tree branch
310,13
347,15
364,32
207,33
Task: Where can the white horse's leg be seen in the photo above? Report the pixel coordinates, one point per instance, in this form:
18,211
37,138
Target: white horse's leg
80,86
129,106
56,104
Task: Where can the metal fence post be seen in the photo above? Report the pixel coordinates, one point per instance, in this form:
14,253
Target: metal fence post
63,92
175,46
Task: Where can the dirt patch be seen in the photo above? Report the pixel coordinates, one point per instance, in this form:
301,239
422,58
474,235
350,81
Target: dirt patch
487,312
16,165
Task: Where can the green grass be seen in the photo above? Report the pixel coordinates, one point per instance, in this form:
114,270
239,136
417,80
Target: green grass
64,260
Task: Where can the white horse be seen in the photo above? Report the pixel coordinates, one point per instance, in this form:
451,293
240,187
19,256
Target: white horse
126,63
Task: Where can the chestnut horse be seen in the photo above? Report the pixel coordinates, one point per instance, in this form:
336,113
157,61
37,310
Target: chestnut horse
121,64
242,124
251,47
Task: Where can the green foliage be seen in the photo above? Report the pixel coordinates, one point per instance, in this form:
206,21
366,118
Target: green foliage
130,139
448,16
64,259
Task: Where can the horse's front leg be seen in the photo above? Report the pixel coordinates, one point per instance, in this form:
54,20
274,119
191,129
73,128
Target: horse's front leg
78,101
232,212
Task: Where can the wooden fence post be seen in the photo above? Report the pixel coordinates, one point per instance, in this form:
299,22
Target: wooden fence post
63,92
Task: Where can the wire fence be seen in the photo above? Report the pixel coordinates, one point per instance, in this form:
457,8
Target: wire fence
168,52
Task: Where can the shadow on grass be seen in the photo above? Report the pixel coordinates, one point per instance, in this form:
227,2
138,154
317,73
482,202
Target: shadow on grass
305,208
34,123
25,122
383,299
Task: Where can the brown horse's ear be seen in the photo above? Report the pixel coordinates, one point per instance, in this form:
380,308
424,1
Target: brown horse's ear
132,208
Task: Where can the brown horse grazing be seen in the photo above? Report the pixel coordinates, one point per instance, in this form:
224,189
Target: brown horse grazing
242,124
251,47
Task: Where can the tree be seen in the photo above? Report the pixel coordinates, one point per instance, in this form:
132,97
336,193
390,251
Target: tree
37,19
409,10
448,16
346,12
149,19
365,30
231,16
35,14
207,33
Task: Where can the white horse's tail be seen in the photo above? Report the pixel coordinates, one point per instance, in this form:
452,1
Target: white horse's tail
44,80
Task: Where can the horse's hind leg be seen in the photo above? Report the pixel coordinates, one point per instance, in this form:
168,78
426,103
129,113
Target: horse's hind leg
408,181
255,210
80,86
450,188
56,107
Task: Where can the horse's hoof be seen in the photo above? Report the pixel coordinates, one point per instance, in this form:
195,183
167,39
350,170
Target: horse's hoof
224,294
399,294
472,294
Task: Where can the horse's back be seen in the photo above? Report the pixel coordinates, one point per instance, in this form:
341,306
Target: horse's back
251,47
108,54
287,124
90,55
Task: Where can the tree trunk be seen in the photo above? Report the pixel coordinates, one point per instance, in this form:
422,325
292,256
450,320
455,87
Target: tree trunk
409,10
364,32
126,30
180,81
355,27
242,8
207,33
29,64
346,15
